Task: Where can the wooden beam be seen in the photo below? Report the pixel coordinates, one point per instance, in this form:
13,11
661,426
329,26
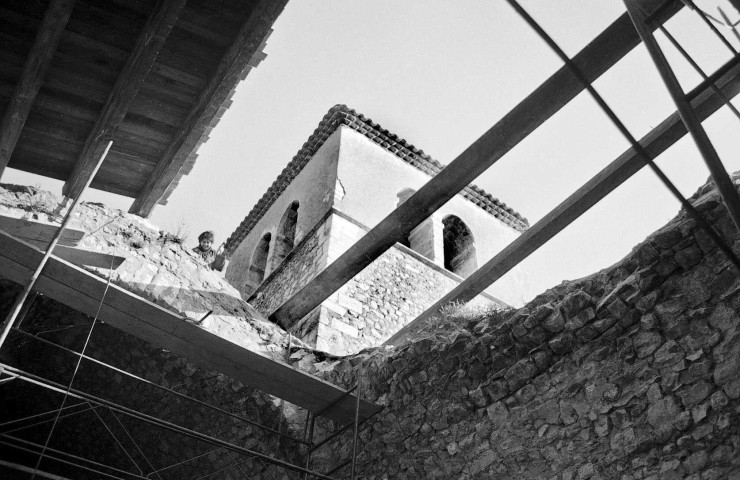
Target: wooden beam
34,70
121,309
129,82
79,256
39,233
705,102
209,104
562,87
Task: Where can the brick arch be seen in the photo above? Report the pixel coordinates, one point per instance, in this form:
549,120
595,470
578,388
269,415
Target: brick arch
459,247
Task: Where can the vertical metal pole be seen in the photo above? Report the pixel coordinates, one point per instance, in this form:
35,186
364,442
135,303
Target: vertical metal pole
10,320
688,116
357,421
309,439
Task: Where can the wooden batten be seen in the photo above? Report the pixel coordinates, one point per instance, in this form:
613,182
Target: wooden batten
34,70
208,107
129,82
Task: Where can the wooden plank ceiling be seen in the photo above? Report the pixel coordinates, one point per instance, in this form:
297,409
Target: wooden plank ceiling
154,76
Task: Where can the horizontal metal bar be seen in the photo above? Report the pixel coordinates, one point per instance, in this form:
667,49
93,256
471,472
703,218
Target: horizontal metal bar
556,92
163,388
158,422
22,468
87,408
68,455
340,466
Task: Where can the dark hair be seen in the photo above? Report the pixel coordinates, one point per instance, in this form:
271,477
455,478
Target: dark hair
207,235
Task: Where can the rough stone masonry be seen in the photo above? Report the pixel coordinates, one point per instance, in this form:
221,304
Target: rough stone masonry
631,373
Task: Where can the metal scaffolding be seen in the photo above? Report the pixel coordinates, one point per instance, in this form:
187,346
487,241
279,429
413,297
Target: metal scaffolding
94,403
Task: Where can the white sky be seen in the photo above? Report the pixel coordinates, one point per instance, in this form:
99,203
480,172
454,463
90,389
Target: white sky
439,74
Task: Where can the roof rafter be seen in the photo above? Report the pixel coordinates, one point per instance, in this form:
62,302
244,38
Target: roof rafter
34,70
557,91
245,52
129,82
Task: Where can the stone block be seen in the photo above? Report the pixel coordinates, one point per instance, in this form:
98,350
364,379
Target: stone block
580,319
603,324
694,394
647,302
688,257
563,343
520,373
345,328
574,303
555,322
497,390
661,415
668,354
646,342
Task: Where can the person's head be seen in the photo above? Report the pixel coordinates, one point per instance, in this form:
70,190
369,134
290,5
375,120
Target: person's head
206,239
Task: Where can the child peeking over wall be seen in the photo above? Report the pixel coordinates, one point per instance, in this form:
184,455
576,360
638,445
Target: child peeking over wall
205,249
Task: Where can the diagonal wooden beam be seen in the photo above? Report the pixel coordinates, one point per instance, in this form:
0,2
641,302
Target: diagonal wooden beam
129,82
245,48
32,76
705,103
562,87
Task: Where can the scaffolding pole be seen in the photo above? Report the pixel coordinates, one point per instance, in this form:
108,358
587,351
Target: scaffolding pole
10,319
149,419
726,189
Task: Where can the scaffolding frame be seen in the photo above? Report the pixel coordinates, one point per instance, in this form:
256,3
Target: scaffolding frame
92,402
644,23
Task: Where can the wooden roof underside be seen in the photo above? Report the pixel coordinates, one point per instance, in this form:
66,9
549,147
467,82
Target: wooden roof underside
153,76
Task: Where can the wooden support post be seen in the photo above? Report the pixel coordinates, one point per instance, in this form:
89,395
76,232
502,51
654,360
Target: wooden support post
13,314
129,82
705,102
32,76
216,92
562,87
693,124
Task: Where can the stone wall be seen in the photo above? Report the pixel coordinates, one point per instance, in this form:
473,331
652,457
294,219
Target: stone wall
376,303
631,373
160,266
382,299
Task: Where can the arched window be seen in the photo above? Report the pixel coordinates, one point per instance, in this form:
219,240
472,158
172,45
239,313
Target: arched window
459,247
404,195
285,239
257,266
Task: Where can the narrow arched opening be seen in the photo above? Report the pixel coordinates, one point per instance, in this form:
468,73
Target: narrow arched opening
285,237
258,265
459,247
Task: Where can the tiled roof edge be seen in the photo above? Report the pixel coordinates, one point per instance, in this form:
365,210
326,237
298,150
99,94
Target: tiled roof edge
342,115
